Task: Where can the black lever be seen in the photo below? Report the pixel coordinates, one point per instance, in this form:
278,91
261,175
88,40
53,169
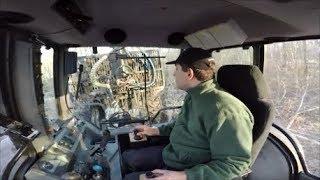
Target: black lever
136,136
106,136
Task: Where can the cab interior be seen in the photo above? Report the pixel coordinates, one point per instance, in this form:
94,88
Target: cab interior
69,147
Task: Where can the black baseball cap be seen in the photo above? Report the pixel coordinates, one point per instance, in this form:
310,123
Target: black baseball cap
193,56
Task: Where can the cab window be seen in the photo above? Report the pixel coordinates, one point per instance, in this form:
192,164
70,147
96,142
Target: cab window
50,108
291,70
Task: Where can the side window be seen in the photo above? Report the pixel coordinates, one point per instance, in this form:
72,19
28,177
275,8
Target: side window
292,72
171,96
233,56
50,107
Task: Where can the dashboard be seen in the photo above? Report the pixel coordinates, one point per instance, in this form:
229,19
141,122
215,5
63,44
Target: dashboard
79,151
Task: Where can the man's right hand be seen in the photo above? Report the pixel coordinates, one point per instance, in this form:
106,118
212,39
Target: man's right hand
144,130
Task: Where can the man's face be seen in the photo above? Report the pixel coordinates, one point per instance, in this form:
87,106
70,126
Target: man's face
182,78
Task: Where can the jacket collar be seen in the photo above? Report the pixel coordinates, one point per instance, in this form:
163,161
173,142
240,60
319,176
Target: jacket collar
209,84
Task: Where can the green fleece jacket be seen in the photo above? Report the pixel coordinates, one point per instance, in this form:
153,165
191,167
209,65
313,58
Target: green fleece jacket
211,137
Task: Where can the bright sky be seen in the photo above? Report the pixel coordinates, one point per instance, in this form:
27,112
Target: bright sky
81,51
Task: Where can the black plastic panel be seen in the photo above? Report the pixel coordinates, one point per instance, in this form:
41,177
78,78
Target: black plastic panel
271,164
70,61
2,107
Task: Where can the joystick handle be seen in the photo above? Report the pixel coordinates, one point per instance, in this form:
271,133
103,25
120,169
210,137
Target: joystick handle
136,137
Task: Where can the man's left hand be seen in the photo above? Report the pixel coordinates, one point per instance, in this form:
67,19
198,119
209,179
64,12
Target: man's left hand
169,175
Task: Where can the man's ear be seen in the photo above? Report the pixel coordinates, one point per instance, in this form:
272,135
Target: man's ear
190,73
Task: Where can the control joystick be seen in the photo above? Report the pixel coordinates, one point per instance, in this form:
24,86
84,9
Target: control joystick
136,136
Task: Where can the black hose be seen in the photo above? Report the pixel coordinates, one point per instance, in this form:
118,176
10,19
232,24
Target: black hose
145,89
152,68
65,96
79,80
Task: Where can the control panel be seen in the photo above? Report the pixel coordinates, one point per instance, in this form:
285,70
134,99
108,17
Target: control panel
78,150
70,136
57,159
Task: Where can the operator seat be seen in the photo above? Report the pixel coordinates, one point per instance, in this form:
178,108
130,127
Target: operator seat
246,82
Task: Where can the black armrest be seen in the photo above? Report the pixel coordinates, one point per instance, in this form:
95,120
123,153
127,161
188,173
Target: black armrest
158,140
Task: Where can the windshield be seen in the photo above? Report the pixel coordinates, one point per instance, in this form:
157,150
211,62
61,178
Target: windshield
122,83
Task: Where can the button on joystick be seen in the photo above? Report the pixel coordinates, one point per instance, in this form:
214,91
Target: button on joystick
136,137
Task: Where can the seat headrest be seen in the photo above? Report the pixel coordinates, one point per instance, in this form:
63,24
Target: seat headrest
245,82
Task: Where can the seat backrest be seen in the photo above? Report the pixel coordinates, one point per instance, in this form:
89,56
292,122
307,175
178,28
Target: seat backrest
246,83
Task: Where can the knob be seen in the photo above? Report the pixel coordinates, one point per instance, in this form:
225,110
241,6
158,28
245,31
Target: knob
46,165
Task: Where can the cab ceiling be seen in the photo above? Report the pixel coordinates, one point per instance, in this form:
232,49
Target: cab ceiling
149,22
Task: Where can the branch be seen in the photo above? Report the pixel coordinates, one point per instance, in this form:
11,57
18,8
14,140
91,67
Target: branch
284,92
307,110
292,119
